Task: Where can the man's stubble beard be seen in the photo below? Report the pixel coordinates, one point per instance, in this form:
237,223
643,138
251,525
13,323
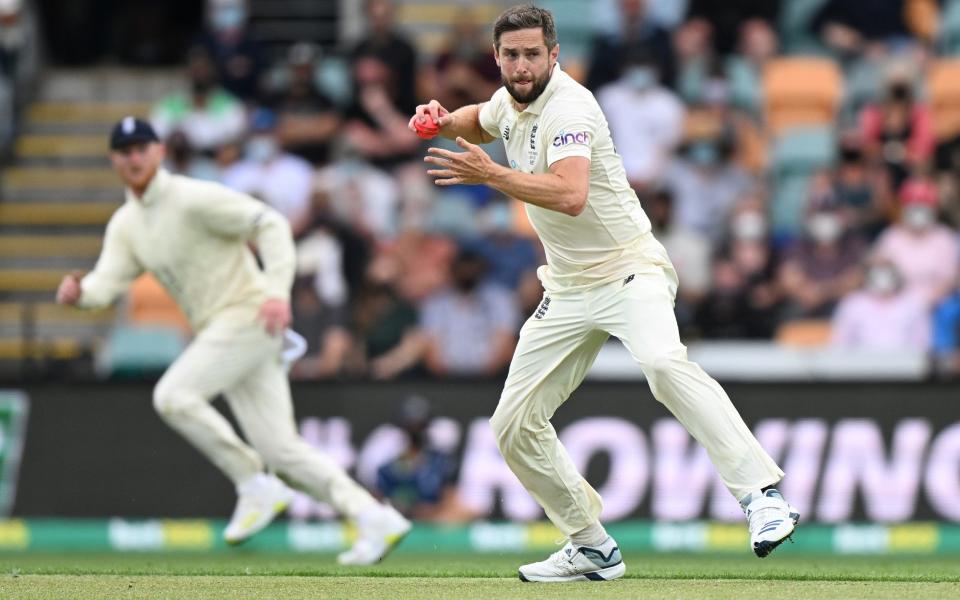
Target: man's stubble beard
538,86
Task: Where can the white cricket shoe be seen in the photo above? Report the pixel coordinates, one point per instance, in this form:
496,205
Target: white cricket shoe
259,499
771,521
379,530
572,563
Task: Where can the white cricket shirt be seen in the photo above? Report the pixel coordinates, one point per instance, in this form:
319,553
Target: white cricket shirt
192,235
611,238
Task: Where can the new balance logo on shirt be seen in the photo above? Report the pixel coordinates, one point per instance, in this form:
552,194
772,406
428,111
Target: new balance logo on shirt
542,309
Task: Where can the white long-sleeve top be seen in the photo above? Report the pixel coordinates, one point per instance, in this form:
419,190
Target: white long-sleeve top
192,235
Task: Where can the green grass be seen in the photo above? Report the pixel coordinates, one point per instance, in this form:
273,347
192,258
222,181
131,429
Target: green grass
242,574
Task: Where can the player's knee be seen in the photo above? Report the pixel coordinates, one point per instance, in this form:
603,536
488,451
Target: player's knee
511,429
169,401
666,364
283,456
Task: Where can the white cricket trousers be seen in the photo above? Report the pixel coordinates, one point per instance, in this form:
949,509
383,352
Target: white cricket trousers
557,346
241,361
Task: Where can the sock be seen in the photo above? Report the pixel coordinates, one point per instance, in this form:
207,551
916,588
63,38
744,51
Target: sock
591,536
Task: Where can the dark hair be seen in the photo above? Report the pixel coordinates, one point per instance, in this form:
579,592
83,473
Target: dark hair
526,16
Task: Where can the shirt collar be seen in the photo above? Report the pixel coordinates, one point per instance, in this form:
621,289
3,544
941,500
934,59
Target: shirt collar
536,107
154,188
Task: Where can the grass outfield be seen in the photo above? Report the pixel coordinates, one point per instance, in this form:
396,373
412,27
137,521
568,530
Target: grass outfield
280,576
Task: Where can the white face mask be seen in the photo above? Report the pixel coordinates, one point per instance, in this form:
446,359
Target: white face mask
229,17
640,78
825,227
882,280
918,216
261,149
749,226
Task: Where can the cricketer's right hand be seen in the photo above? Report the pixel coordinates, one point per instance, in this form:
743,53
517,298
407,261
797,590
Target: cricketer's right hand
69,291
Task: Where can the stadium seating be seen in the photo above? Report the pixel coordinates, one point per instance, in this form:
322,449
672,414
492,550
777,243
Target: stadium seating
943,87
149,305
797,153
805,333
801,91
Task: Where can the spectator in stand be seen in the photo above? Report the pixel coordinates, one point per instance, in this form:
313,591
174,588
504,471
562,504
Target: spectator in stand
308,119
725,313
389,339
750,250
465,71
899,130
207,114
471,327
822,267
361,197
924,251
645,119
706,185
282,180
183,160
689,252
858,189
639,35
319,301
883,315
376,126
696,62
392,49
420,483
946,335
757,45
728,16
237,57
511,257
848,26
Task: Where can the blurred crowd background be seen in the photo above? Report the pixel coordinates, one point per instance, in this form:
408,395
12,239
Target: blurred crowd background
798,159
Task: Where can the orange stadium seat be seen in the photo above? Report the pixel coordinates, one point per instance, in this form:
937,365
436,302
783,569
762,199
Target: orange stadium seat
804,333
943,86
801,91
150,304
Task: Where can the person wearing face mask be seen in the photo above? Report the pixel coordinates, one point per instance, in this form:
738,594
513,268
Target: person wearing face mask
282,180
899,130
822,267
471,326
882,315
645,118
237,57
208,115
924,250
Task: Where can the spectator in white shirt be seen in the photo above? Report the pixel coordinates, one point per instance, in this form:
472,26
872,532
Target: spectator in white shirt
884,315
646,120
282,180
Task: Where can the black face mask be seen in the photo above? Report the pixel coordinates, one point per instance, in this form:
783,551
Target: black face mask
900,93
851,155
201,86
466,284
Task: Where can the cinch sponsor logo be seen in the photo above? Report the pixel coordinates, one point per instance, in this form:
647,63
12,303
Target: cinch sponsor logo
580,137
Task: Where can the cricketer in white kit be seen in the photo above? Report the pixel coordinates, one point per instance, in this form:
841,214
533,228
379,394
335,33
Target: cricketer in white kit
193,236
605,275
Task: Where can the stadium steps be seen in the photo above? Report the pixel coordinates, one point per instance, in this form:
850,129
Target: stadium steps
56,195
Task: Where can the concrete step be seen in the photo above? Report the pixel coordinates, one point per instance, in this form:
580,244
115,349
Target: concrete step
46,246
102,114
65,146
50,312
75,179
15,348
30,282
46,213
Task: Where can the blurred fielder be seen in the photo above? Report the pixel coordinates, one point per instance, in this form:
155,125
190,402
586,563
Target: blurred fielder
192,235
605,275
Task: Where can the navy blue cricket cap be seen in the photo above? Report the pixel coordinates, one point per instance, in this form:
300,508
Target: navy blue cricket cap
132,130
